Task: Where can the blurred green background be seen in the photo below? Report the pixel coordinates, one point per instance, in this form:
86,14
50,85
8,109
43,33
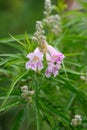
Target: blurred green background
18,16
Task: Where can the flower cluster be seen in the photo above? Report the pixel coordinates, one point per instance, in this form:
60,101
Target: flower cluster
47,7
39,34
39,37
54,22
26,94
53,57
77,120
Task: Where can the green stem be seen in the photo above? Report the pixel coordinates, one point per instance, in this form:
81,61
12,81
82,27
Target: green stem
36,103
27,115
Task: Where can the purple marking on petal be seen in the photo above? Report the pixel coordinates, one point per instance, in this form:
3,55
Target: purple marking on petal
52,69
33,66
48,73
40,65
28,65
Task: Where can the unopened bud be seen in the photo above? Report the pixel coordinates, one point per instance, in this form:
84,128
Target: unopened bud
32,92
34,39
24,88
82,77
76,121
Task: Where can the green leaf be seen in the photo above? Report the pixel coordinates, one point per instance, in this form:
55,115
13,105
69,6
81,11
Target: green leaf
21,43
72,71
18,120
7,107
79,93
15,80
19,37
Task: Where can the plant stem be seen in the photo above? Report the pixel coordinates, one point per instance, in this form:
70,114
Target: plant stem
27,115
36,103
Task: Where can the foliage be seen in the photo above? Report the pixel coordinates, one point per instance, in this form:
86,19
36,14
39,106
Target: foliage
56,99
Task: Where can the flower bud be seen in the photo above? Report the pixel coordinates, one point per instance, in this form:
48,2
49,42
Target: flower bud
24,88
76,121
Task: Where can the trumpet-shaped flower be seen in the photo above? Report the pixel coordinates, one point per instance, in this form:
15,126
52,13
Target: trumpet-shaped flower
54,55
54,59
52,69
35,60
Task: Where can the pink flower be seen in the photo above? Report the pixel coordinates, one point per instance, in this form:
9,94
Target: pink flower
54,59
54,55
52,69
35,60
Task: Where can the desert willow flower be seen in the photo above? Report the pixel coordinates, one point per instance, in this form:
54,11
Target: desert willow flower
54,60
35,60
53,57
